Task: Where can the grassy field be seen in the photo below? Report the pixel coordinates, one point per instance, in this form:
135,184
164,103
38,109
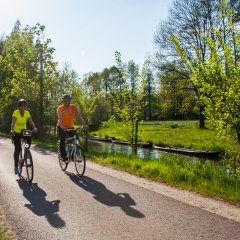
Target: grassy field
169,133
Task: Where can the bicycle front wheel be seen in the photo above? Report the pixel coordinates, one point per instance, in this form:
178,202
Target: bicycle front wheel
20,163
63,165
80,162
28,164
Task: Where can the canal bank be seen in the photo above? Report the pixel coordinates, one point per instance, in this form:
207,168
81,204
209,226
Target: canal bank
146,150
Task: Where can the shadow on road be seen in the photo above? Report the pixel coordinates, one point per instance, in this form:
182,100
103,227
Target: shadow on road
39,205
43,150
105,196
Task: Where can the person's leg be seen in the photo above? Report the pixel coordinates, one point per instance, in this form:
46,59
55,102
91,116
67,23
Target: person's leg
62,137
17,150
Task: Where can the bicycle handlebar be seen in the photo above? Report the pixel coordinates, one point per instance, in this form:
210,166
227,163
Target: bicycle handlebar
76,129
24,133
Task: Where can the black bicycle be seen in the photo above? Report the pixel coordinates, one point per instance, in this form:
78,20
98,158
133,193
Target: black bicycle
74,151
25,163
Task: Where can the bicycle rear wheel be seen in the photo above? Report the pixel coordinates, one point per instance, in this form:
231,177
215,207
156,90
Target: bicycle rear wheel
80,162
28,164
63,165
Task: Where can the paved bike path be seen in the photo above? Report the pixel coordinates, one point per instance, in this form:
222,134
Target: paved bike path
103,205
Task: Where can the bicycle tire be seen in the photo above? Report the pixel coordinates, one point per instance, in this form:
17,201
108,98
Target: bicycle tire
20,163
80,161
28,163
63,165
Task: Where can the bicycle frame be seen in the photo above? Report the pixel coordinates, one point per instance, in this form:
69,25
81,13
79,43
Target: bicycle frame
24,147
72,143
25,157
74,152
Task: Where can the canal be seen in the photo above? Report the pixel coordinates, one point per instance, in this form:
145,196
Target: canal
109,147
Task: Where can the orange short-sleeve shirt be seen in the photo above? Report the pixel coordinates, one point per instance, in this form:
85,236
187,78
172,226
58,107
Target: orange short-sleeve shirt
67,115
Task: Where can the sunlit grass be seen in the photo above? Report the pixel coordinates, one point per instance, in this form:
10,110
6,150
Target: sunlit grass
169,133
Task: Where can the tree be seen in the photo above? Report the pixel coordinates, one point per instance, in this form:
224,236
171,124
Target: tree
111,78
149,89
129,103
176,96
218,77
21,68
190,21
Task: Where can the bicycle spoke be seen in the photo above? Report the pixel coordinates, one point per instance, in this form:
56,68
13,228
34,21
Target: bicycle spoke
80,162
20,163
63,165
29,165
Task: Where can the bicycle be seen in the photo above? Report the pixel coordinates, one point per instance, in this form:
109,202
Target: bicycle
74,151
25,158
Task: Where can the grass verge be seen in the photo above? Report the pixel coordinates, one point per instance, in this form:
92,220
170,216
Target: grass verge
5,232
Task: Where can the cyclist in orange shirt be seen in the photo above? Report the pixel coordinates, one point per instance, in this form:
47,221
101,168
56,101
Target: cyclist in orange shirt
66,114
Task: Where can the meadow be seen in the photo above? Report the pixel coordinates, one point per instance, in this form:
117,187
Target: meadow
184,134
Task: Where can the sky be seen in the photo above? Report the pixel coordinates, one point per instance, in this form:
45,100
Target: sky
86,33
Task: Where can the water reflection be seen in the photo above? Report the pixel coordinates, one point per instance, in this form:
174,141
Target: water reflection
109,147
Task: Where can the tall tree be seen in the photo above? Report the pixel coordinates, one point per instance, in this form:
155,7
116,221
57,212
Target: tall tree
176,96
149,89
21,68
218,76
128,105
190,20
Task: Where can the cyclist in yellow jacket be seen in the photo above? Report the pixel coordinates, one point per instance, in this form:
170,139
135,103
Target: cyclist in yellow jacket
20,118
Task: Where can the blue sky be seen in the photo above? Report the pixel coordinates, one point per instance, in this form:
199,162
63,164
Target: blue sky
86,33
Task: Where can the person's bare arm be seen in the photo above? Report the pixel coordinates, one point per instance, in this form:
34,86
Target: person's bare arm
32,125
13,125
79,117
59,114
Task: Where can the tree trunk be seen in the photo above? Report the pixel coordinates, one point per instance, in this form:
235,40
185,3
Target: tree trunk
201,117
135,138
238,133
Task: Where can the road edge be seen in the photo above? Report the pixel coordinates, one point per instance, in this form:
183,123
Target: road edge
218,207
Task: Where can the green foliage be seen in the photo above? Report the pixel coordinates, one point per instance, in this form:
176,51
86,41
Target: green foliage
185,134
86,103
218,77
20,64
232,158
128,102
176,96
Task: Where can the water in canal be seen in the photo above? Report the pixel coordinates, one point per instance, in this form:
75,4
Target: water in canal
152,153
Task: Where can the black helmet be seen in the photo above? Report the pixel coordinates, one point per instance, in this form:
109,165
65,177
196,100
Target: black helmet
66,96
22,102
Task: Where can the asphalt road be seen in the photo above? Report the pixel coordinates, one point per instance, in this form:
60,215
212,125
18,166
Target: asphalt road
105,205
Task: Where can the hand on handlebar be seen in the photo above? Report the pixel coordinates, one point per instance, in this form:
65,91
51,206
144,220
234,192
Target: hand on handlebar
64,129
35,130
85,127
13,132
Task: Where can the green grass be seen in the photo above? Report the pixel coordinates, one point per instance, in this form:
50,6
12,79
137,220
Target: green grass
169,133
5,233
